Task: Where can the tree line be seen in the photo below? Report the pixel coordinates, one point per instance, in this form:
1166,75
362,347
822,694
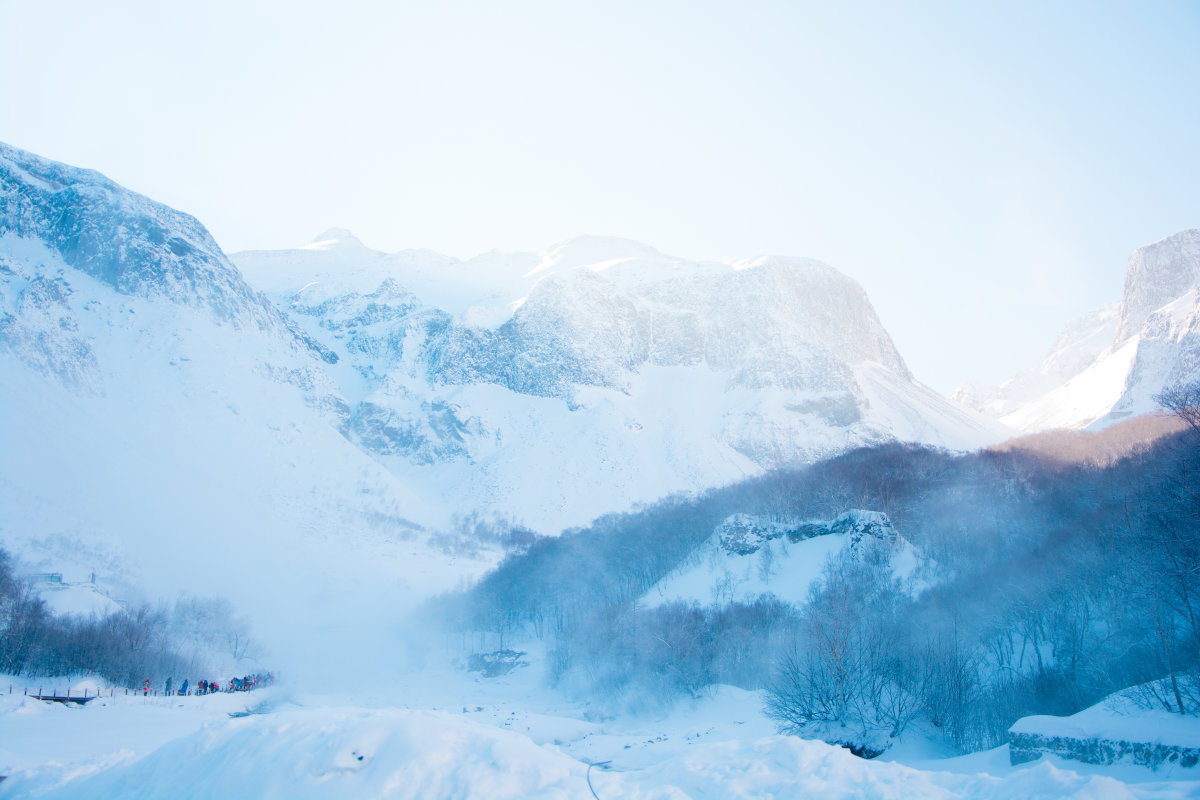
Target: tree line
125,647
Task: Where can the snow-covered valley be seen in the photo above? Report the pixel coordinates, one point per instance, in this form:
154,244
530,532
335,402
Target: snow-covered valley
340,443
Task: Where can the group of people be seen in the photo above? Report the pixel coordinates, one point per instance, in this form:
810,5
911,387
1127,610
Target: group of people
243,684
250,682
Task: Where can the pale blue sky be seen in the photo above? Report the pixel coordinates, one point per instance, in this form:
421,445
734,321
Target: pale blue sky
983,169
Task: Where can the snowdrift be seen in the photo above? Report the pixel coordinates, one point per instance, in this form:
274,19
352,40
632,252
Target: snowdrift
305,754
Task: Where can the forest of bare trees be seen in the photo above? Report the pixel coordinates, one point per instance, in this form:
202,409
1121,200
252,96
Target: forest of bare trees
1057,572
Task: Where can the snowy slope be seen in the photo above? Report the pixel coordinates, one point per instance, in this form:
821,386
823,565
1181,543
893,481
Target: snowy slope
1108,366
1081,342
164,425
128,748
80,599
183,464
1082,400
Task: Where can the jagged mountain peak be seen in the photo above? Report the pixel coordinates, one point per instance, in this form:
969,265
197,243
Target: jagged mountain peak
1157,274
131,243
122,238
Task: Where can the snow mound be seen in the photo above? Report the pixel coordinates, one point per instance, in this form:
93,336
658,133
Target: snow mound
1117,718
797,768
338,753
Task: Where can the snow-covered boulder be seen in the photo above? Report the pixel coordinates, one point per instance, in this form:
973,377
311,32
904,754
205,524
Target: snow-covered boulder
1115,730
750,556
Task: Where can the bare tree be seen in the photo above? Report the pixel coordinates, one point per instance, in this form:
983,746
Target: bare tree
1184,402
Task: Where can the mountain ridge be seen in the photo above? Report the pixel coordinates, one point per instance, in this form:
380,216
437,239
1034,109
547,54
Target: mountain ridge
544,388
154,250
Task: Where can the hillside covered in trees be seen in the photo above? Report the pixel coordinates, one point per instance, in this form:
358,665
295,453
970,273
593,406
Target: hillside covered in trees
1052,572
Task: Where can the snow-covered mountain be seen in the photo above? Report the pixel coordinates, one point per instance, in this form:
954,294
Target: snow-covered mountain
1108,365
164,425
601,373
155,402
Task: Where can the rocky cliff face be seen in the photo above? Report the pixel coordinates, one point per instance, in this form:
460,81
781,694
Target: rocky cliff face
129,242
773,323
794,324
38,324
1157,274
746,534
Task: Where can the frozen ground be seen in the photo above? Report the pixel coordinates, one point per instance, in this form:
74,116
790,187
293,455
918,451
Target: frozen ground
445,732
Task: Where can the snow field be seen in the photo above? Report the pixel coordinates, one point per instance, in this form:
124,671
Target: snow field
191,748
